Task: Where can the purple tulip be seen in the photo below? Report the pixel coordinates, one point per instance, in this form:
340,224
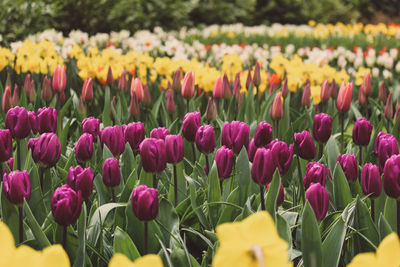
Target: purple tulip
235,135
391,177
81,179
111,172
10,165
91,125
144,202
315,173
371,180
224,161
263,168
263,135
305,145
349,166
362,132
46,149
47,120
5,145
84,148
66,205
318,198
17,186
153,155
134,134
190,125
33,122
17,121
322,127
159,133
385,146
205,139
252,150
174,148
283,155
113,138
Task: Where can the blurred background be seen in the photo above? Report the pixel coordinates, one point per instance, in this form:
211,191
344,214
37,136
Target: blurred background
19,18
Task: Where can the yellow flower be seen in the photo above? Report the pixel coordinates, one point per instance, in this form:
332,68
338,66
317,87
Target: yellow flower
387,254
253,242
120,260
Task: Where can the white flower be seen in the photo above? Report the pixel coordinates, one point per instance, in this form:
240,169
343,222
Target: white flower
387,74
375,72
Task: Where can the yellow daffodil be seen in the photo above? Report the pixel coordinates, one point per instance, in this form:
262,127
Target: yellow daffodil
253,242
120,260
387,254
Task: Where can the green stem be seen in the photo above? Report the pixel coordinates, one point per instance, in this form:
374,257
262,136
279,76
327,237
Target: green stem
21,225
262,200
146,235
361,164
112,194
321,150
19,154
154,180
341,118
175,187
207,164
301,185
187,105
373,209
398,217
41,174
64,241
194,153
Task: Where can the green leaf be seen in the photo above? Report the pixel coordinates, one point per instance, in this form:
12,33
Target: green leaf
81,252
195,206
214,194
170,220
365,225
156,106
243,176
310,239
35,227
124,244
228,213
384,227
284,229
333,152
9,213
272,195
333,243
391,212
107,105
341,189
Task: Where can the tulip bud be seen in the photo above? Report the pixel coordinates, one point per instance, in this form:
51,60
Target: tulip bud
211,110
237,87
382,95
322,127
325,91
81,179
371,180
17,186
389,107
190,125
285,89
263,167
144,202
66,205
281,195
218,92
134,108
362,132
252,150
59,79
146,95
333,89
263,135
318,198
248,80
343,100
362,98
5,145
137,89
235,135
385,146
33,122
224,161
159,133
305,145
205,139
46,149
283,155
47,120
169,101
153,155
27,84
110,79
6,103
15,97
61,97
10,165
134,134
17,121
32,92
47,94
91,126
257,75
84,148
122,82
305,99
367,89
111,172
174,148
227,87
315,173
391,177
87,91
349,166
277,107
113,138
187,90
176,82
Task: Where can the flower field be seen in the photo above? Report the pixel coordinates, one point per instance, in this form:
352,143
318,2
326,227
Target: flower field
217,146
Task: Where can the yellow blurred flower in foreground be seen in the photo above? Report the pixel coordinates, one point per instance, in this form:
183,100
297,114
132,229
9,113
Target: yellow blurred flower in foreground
120,260
27,256
253,242
387,254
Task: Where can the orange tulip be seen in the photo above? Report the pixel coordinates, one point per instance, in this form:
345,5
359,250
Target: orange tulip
344,97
